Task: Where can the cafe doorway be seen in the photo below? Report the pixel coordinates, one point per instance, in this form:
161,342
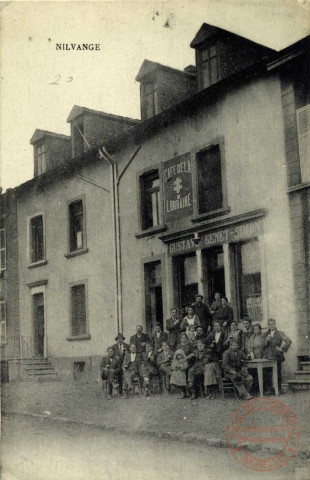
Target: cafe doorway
153,296
187,279
214,275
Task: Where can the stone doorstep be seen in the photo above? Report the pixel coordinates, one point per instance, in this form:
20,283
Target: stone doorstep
191,438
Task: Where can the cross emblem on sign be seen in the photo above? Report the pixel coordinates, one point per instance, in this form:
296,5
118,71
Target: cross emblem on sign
177,185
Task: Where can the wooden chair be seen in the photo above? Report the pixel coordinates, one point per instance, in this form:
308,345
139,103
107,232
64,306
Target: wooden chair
136,383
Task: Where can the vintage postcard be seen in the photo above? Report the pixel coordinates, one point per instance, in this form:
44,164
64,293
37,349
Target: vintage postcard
155,240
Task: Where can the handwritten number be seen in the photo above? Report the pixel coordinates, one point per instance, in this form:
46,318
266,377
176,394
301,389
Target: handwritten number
58,77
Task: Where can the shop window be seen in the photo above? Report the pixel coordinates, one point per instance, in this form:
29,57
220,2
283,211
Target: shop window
150,99
209,66
209,172
249,280
37,239
77,234
78,310
3,321
40,155
150,199
2,250
303,124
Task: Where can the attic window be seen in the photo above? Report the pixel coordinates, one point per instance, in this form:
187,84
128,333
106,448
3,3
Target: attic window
40,155
208,63
150,100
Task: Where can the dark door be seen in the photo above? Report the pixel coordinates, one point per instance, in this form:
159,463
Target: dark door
215,273
187,279
38,326
153,296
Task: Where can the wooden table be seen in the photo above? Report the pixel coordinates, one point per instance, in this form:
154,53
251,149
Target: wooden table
260,364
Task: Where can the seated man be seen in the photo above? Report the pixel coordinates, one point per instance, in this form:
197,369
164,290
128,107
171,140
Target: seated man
234,334
204,368
131,368
110,367
140,339
158,337
164,360
148,367
235,370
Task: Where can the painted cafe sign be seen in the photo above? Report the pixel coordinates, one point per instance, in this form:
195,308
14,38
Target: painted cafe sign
229,234
178,190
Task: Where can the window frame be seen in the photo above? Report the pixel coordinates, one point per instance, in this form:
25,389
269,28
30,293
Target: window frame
72,253
84,336
3,322
200,63
153,94
139,179
198,217
40,158
42,261
3,249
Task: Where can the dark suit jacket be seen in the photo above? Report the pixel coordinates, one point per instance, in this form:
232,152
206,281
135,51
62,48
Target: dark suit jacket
203,313
219,346
114,364
138,340
233,361
276,341
129,365
118,352
157,341
173,331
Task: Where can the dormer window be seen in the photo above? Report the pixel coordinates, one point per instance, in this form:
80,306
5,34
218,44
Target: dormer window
40,158
209,66
150,99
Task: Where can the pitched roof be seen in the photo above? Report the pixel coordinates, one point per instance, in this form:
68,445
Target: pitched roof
148,67
77,111
39,134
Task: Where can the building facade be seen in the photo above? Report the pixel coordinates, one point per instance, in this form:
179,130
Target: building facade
209,192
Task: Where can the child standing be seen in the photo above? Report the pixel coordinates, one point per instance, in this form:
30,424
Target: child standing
179,366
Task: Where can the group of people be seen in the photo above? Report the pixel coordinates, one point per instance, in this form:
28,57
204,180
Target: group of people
194,352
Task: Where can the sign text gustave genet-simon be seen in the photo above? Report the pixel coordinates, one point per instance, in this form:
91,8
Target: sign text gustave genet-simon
226,235
177,176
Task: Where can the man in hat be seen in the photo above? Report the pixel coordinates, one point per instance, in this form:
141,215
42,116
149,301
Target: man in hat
173,327
203,313
140,339
236,371
120,349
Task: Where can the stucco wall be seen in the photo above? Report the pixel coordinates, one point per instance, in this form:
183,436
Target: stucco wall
96,266
250,120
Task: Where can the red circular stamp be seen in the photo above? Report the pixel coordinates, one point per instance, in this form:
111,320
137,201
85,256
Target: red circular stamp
263,434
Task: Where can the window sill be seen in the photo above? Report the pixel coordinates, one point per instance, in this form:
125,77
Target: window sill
215,213
76,253
37,264
79,338
151,231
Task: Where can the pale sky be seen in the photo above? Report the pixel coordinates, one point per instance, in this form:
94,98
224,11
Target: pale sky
128,32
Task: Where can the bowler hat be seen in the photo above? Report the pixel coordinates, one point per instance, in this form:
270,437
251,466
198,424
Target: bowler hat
120,335
198,295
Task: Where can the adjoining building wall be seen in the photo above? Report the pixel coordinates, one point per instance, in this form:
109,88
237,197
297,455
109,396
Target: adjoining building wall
93,266
248,122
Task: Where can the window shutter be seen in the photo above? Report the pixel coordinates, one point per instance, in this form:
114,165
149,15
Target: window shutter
303,127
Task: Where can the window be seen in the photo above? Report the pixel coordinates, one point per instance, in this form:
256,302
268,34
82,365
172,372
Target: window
209,66
303,124
3,321
150,100
249,280
2,250
209,171
40,159
150,201
37,239
78,310
77,234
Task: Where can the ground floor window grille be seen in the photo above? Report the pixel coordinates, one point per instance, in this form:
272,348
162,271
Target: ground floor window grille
78,310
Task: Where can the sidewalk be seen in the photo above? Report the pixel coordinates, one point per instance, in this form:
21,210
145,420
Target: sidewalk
201,422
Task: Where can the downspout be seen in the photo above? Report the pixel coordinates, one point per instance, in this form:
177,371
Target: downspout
116,255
